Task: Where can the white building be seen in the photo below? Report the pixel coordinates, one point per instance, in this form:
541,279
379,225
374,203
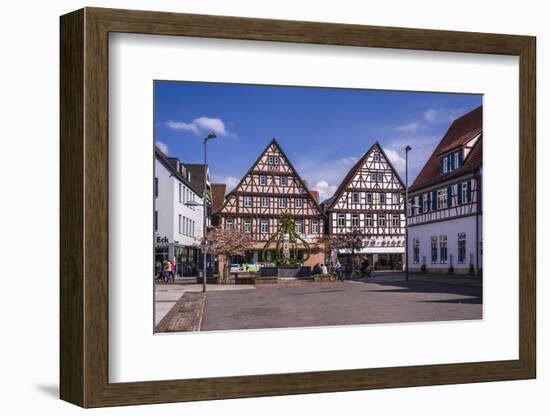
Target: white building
178,216
445,204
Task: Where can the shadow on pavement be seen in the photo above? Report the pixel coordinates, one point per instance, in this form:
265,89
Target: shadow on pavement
473,294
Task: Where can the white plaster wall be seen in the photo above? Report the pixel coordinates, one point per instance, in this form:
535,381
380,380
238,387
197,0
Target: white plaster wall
451,229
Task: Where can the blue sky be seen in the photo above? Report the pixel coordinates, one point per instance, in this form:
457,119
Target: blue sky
323,131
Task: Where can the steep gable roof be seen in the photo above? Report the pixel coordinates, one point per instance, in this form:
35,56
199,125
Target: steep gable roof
353,171
248,172
460,132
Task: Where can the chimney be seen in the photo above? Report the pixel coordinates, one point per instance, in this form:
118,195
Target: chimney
315,195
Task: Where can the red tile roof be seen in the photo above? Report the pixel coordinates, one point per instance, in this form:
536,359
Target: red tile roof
461,130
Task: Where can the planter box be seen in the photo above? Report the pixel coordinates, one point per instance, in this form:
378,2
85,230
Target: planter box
286,271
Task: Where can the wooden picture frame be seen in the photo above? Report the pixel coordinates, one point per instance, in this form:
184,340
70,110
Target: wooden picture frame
84,207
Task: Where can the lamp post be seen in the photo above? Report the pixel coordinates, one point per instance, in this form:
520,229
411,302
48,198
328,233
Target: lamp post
210,136
407,150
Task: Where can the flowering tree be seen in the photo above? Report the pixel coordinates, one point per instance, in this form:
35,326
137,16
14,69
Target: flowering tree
351,241
227,242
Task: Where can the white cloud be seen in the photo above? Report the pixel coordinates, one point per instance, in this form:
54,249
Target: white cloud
409,128
325,190
230,181
163,147
350,160
396,160
442,115
201,125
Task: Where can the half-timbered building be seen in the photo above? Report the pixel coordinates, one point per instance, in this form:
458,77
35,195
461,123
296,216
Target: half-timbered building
445,205
270,188
371,199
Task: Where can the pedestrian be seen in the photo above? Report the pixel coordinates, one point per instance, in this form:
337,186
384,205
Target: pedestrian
324,269
317,268
338,269
167,267
172,271
364,266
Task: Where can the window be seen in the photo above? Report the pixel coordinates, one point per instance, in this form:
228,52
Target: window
377,157
247,201
373,177
443,248
395,199
434,249
425,203
263,180
445,165
465,193
355,220
369,198
187,226
156,185
441,199
229,223
380,177
247,227
395,220
264,226
156,220
282,202
275,160
369,220
283,181
298,202
193,228
355,197
179,225
341,220
382,198
457,160
271,160
381,220
315,227
265,202
299,226
416,250
181,199
461,247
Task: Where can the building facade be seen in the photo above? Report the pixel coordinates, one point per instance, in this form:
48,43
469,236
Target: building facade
178,216
445,204
371,199
270,188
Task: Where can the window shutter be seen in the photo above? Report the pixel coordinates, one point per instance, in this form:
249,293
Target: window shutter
469,190
434,200
441,166
428,201
449,197
420,197
450,157
459,193
459,158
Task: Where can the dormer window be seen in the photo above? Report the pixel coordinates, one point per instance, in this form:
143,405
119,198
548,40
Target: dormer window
450,162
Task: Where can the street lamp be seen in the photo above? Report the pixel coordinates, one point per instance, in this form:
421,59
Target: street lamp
407,150
210,136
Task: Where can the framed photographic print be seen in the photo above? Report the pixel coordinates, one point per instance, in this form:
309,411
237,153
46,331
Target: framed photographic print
255,207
